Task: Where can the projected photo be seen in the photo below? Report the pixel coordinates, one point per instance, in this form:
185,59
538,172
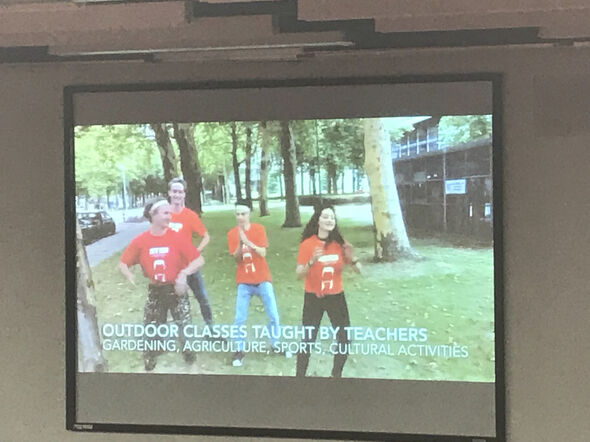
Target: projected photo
353,248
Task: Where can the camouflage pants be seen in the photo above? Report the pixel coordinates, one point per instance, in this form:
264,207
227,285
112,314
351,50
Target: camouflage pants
160,300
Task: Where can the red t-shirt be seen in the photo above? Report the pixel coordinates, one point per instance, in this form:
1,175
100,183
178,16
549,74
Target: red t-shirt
252,269
186,222
160,257
325,276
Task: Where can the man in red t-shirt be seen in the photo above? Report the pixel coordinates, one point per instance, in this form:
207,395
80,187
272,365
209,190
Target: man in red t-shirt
186,222
166,259
247,243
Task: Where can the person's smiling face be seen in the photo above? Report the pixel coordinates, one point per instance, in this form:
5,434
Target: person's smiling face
327,220
161,217
177,193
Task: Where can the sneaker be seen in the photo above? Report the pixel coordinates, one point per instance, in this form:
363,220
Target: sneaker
237,359
149,363
284,353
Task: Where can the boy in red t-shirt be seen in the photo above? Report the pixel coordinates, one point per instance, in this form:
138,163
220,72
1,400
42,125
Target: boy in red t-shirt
247,243
186,222
166,259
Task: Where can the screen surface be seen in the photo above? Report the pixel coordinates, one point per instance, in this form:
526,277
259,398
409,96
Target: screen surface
325,262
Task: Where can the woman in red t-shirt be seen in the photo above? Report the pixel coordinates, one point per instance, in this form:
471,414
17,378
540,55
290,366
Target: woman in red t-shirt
321,257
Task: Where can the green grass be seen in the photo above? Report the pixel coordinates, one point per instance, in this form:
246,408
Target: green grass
449,292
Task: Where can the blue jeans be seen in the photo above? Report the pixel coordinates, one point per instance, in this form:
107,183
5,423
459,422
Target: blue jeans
195,282
266,293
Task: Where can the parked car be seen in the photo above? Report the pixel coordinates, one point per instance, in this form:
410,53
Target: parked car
96,225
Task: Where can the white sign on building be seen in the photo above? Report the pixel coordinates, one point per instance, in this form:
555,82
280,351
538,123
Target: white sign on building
455,187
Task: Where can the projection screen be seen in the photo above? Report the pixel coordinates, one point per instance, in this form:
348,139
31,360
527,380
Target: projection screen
313,258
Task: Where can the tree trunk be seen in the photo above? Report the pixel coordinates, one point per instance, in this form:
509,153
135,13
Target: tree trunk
90,358
332,185
247,159
391,238
264,148
234,158
167,155
292,216
314,189
189,163
302,184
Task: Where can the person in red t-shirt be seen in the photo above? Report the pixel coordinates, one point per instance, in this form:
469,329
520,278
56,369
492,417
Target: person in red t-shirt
166,259
247,243
321,257
187,222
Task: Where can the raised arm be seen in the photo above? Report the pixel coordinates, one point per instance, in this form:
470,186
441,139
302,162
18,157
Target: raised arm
302,269
204,241
244,240
124,269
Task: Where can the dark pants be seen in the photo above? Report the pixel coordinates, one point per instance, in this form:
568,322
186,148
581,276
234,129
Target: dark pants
161,299
313,311
195,282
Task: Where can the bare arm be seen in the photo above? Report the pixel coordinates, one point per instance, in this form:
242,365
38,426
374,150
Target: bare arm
124,269
302,269
193,266
180,284
244,240
356,265
350,259
204,241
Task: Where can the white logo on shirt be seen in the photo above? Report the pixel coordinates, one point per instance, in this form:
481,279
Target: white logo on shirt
328,271
175,226
159,252
248,260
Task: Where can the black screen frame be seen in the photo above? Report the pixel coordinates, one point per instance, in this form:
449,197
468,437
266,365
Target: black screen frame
69,94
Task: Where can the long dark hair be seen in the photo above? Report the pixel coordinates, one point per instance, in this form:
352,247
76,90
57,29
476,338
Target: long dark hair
313,224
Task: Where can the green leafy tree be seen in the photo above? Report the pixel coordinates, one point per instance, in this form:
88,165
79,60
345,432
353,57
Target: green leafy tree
107,155
391,238
288,154
166,149
458,129
184,134
214,144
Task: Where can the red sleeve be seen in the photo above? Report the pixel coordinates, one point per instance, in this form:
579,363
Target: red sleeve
232,240
130,255
197,225
304,253
187,250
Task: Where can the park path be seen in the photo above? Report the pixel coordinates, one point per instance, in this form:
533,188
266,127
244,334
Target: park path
106,247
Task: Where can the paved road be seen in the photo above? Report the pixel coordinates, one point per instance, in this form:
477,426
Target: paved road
106,247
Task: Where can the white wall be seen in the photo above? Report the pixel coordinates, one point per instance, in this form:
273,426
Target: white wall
546,205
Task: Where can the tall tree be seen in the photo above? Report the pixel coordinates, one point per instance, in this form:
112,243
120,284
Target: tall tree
288,153
391,238
248,160
107,156
184,134
234,158
456,129
264,163
169,162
